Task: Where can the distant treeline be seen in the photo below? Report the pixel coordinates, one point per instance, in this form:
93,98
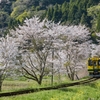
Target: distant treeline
14,12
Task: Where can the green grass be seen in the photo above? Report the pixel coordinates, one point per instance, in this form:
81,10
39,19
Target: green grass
13,85
17,85
90,91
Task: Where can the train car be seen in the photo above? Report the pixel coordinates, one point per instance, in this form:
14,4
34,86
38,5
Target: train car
94,66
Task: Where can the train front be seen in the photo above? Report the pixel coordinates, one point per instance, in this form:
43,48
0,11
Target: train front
94,66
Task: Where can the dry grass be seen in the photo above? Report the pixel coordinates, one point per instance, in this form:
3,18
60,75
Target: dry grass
11,85
16,85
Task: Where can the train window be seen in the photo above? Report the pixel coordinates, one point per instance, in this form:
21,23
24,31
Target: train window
90,62
99,62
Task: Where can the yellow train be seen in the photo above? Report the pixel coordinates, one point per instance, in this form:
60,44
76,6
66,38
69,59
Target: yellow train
94,66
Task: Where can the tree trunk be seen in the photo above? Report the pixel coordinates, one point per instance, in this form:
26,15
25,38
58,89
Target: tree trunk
0,85
52,76
40,80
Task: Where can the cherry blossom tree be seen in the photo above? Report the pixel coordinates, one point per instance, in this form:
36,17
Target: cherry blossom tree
77,48
8,53
45,46
73,48
36,45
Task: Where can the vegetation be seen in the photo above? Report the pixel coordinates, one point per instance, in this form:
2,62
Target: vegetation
66,11
40,48
46,47
37,48
83,92
22,83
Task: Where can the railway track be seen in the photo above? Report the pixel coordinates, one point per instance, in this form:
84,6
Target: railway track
48,88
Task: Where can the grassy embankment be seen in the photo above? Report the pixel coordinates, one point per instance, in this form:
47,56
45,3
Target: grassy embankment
90,91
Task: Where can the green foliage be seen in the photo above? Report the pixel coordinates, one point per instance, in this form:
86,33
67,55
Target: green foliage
13,23
4,19
94,37
98,23
17,11
67,11
90,91
56,13
71,15
64,9
22,16
71,12
37,8
49,13
83,19
94,12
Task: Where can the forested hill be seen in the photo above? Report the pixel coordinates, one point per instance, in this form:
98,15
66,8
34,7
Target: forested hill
14,12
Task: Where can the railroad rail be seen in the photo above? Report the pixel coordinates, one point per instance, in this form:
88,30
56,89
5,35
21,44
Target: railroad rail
48,88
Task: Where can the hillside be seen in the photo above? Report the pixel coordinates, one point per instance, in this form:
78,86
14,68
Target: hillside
14,12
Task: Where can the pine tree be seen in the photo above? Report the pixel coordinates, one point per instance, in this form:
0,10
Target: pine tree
56,13
64,9
98,23
49,13
83,19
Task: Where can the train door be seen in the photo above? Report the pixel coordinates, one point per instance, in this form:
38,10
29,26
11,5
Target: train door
99,64
95,66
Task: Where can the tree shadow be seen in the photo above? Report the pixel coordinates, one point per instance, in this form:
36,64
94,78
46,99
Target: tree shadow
92,85
68,90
